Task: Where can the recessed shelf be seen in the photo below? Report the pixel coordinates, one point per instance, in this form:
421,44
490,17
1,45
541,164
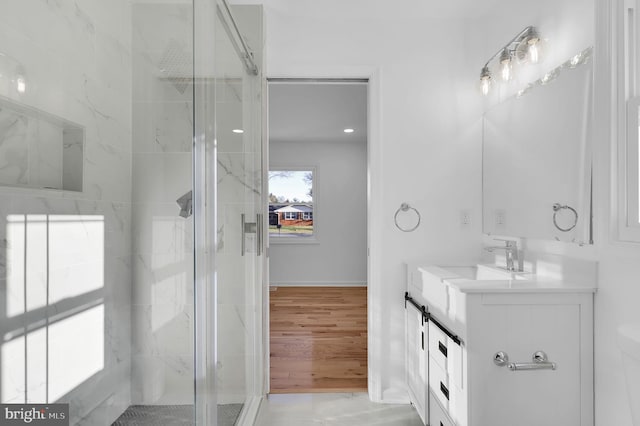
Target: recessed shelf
39,149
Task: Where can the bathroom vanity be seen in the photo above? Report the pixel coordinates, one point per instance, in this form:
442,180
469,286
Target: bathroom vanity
488,347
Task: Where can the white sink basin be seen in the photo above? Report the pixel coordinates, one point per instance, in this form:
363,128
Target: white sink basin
484,273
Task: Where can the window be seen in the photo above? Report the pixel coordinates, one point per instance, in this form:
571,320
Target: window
291,204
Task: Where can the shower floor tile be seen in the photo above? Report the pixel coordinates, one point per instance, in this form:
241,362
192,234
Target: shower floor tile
343,409
173,415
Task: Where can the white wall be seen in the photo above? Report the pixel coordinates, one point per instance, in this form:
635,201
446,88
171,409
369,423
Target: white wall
420,152
340,199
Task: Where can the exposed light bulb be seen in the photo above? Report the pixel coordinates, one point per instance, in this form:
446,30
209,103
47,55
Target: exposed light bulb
485,80
348,130
506,71
534,46
534,54
485,84
21,84
505,65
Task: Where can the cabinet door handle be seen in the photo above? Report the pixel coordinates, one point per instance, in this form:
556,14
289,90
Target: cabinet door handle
442,348
423,340
444,390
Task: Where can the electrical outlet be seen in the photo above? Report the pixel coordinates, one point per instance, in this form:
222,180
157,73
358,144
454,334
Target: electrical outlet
465,218
501,217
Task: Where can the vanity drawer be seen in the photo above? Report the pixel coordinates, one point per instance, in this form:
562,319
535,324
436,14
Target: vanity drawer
437,416
446,353
450,396
439,383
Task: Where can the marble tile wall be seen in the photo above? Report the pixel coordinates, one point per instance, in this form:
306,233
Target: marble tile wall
162,240
65,256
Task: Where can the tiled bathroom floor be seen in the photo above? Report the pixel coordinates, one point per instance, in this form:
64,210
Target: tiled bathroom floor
335,409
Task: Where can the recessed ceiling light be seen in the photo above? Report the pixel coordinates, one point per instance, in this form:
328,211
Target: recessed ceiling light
238,131
349,130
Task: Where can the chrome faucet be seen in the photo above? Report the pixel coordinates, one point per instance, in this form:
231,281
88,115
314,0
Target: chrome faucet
511,250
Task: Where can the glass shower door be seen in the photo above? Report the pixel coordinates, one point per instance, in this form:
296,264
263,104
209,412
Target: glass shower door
239,230
231,174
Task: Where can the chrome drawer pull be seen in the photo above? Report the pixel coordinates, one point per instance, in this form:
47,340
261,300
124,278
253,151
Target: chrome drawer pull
540,362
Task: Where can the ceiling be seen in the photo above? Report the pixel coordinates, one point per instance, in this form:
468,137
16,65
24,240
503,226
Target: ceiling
381,9
305,112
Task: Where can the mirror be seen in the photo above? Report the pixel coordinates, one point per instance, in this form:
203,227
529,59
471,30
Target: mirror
537,158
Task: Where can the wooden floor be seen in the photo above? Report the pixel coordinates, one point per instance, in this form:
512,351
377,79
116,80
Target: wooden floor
318,339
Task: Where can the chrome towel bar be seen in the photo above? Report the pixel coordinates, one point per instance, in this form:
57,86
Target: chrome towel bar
539,358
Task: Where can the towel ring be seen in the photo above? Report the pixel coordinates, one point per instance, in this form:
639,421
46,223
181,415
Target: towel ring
404,207
556,208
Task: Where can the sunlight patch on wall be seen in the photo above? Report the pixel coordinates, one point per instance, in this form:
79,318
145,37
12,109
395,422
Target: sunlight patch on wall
76,350
13,369
76,255
51,258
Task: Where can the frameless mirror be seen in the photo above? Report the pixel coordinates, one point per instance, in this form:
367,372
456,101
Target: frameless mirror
537,158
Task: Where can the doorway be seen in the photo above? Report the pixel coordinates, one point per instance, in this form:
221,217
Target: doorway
317,190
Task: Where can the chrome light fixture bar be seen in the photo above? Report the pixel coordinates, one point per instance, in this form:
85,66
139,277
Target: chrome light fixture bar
524,46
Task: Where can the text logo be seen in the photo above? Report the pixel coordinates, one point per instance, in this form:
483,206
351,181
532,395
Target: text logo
34,414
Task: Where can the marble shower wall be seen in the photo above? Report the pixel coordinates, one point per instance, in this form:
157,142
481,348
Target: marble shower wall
163,241
65,257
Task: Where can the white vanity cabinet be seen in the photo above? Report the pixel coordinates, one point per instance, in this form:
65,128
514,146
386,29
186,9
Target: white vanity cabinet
464,386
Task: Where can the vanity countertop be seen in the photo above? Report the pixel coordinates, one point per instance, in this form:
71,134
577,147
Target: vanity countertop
537,285
483,278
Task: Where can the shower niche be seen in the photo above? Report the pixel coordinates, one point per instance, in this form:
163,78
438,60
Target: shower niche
39,150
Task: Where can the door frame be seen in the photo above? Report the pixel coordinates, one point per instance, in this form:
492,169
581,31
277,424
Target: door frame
375,307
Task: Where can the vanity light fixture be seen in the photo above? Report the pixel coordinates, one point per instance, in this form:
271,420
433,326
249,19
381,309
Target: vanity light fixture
525,47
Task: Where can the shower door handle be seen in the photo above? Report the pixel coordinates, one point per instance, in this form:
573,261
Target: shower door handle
259,232
242,230
250,228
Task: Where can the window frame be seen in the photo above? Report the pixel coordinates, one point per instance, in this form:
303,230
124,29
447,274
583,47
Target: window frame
313,239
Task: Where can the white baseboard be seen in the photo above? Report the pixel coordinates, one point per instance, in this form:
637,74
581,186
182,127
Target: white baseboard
249,413
395,396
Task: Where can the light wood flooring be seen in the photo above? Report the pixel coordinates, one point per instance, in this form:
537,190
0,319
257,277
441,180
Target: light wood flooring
318,339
